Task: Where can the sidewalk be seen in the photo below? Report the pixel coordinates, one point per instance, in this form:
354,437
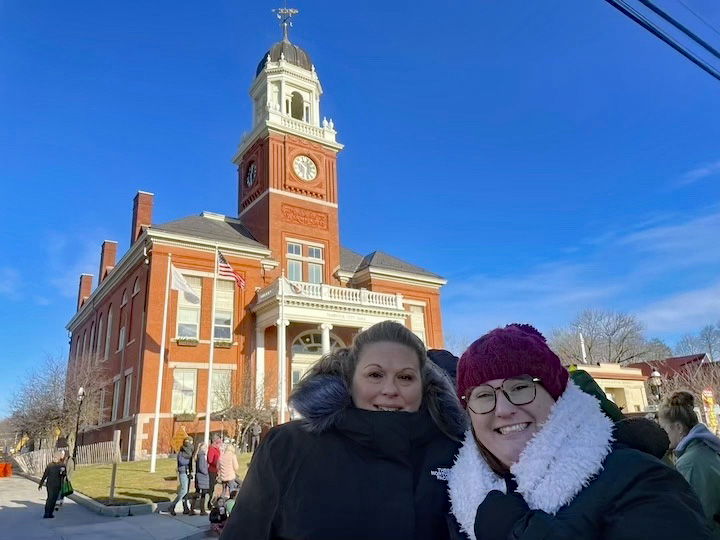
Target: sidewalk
21,508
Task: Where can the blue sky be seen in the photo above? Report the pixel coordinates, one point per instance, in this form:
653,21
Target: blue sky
543,156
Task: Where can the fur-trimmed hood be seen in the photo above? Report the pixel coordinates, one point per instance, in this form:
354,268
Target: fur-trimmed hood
562,459
323,400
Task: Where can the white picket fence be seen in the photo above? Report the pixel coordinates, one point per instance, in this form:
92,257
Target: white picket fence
34,463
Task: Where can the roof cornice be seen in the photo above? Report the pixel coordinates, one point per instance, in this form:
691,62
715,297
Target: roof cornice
397,276
204,244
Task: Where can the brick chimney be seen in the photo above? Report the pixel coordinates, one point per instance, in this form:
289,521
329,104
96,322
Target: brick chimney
142,214
108,255
85,288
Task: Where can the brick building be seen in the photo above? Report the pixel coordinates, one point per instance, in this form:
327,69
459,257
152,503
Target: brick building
268,333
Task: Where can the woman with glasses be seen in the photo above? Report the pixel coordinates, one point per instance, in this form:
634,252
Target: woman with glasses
540,460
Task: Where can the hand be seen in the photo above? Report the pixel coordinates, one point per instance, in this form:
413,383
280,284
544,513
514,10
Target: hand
39,487
497,515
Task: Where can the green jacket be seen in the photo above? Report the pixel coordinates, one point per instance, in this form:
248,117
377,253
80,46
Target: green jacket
699,462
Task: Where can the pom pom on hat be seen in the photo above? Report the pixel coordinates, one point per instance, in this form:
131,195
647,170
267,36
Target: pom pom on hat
517,349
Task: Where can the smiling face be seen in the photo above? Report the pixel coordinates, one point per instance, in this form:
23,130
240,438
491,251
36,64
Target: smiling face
507,429
387,378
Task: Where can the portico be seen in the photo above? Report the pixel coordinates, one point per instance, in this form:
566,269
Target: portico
325,307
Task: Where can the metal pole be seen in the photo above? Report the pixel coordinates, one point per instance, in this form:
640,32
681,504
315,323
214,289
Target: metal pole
161,362
77,430
208,406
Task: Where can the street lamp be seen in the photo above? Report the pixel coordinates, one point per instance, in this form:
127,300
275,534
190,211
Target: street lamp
80,397
655,383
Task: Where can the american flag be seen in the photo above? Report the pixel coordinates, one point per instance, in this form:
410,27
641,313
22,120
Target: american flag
224,269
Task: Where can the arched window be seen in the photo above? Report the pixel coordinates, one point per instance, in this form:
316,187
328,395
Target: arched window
100,336
311,343
124,298
297,106
306,349
136,287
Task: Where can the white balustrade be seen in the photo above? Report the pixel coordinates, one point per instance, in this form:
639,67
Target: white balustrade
322,291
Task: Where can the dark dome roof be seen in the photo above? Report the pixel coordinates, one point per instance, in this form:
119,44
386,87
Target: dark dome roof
293,54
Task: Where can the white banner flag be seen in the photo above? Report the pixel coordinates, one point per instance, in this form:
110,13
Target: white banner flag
180,284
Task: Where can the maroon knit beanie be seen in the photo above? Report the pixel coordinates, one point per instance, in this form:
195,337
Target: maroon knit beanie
517,349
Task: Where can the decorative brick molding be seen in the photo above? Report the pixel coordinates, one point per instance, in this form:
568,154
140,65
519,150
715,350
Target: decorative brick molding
303,216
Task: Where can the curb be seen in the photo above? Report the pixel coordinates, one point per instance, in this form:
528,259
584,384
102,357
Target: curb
99,508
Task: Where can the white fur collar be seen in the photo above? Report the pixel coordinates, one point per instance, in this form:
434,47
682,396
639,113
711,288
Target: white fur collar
557,463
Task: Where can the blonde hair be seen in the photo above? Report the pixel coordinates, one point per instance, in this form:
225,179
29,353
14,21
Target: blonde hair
680,407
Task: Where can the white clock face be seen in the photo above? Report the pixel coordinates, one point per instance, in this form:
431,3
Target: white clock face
305,168
251,175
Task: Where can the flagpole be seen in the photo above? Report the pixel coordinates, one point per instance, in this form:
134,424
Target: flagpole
282,361
161,362
208,412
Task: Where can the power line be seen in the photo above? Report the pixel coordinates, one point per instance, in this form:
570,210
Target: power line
640,19
697,39
700,18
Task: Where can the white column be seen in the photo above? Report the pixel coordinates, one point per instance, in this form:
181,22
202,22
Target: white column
282,324
259,366
325,327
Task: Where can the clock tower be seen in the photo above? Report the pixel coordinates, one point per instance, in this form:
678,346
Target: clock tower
287,165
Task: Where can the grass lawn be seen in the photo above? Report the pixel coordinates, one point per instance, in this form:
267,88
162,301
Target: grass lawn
134,484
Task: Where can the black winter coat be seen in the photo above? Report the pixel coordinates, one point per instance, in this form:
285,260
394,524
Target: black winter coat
358,475
202,477
53,476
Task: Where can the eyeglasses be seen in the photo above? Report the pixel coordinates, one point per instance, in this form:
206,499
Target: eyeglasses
518,391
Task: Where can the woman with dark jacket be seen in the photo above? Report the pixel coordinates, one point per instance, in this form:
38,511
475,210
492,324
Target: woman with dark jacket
184,472
697,451
53,478
540,461
202,479
378,422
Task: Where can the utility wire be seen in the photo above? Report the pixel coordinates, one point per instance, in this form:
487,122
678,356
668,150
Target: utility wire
628,11
700,17
684,29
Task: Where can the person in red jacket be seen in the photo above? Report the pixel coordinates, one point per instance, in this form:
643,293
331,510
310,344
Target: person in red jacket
213,459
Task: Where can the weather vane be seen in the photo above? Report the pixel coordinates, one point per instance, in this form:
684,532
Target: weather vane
285,15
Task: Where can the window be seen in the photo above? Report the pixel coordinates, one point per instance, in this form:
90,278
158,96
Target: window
294,270
124,298
224,302
128,393
296,376
315,273
115,400
121,339
417,321
221,389
101,408
100,337
188,325
136,286
294,249
92,341
311,343
183,395
108,334
84,345
315,252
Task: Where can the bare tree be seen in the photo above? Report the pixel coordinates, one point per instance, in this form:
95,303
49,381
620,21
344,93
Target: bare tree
658,350
456,343
695,379
687,345
608,336
707,340
45,405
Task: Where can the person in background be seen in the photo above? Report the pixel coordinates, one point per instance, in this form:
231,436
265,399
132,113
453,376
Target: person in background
202,480
255,431
184,472
377,423
540,459
697,452
228,469
53,479
213,459
445,360
64,460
